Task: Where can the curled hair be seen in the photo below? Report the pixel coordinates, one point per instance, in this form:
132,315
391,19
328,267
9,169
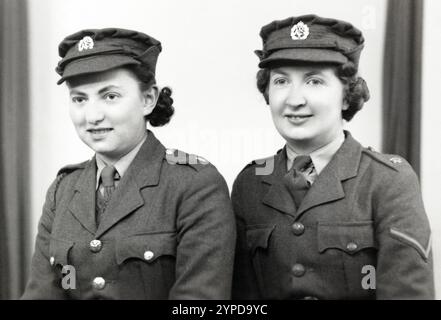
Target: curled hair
356,91
164,109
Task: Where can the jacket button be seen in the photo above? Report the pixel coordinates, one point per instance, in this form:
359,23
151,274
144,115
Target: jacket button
351,246
52,261
95,245
310,298
298,228
99,283
148,255
298,270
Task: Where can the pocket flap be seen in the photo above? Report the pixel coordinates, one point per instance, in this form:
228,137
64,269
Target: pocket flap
350,237
258,237
147,247
58,251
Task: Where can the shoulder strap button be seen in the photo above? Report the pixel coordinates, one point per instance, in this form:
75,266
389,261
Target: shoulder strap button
395,160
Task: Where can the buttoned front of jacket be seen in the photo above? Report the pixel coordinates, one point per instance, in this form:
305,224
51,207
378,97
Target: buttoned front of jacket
168,233
340,243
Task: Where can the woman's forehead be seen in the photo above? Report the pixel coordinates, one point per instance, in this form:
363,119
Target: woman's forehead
305,68
117,76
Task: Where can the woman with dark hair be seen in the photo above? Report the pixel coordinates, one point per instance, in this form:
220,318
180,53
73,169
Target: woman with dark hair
325,218
137,221
356,92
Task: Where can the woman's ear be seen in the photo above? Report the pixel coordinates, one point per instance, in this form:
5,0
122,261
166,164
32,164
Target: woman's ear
151,96
345,105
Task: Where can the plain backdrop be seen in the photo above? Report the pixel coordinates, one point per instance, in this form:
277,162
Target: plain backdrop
209,63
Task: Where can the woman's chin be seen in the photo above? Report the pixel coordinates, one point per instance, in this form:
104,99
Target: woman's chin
298,136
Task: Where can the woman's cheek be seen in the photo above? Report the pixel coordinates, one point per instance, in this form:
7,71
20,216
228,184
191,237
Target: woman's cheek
77,116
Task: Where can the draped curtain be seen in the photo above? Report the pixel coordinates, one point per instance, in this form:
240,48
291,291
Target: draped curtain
14,155
402,80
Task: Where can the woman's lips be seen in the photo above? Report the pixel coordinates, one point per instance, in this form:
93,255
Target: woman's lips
101,130
298,119
99,133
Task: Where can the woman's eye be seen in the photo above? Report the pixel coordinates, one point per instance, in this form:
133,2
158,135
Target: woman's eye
111,96
314,81
78,100
280,81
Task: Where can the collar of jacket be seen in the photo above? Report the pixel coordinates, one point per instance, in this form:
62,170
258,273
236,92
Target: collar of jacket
327,187
143,172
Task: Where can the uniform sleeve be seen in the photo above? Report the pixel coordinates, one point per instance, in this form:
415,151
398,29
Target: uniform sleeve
404,266
206,239
43,282
244,277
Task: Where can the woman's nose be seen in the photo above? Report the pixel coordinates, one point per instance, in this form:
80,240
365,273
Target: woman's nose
295,98
94,113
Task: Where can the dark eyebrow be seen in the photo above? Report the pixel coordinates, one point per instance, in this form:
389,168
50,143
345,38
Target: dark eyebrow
277,70
307,74
76,92
101,91
313,73
108,88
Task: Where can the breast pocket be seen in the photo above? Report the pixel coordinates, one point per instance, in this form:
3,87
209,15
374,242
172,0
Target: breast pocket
148,259
258,239
355,244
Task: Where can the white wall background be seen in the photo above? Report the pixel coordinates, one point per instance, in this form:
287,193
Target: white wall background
208,61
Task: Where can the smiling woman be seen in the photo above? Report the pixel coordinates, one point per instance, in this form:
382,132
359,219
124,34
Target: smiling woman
137,221
108,111
306,104
327,218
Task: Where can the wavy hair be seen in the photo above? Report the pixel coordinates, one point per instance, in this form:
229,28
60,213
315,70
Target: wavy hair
164,109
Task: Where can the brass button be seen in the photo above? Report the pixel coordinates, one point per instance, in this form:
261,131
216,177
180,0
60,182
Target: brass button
352,246
298,270
298,228
148,255
95,245
99,283
310,298
52,261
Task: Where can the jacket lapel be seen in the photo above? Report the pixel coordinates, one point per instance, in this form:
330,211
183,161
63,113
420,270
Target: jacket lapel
328,186
278,196
82,205
143,172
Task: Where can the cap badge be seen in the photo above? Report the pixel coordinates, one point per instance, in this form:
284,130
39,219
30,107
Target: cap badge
299,31
85,44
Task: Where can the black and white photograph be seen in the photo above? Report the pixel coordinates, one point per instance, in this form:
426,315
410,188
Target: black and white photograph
235,151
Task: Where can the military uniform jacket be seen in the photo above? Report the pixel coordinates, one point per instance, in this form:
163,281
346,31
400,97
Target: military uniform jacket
361,231
168,232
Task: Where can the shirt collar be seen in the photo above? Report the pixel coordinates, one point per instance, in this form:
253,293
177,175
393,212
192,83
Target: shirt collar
121,165
320,157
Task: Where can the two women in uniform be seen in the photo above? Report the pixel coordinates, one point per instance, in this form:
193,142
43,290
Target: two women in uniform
324,218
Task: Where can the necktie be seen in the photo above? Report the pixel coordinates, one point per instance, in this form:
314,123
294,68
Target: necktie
108,183
295,179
